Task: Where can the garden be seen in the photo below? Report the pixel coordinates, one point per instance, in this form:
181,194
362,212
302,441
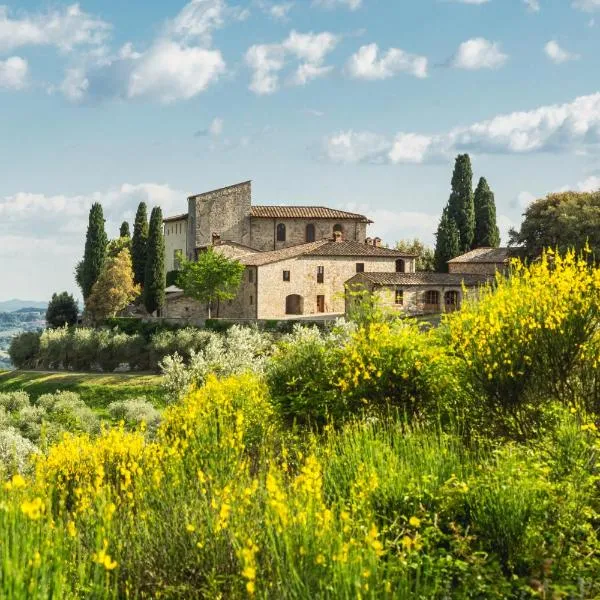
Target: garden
375,460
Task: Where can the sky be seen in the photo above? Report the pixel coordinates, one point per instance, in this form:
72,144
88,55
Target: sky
354,104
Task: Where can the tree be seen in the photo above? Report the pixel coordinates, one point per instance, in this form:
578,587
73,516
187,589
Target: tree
461,205
487,233
155,276
95,251
115,246
139,243
425,255
62,310
115,288
124,230
447,244
213,278
560,221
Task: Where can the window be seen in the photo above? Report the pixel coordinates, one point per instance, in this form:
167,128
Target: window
432,297
281,232
321,304
400,266
251,300
338,228
286,276
320,274
399,296
251,275
360,267
310,233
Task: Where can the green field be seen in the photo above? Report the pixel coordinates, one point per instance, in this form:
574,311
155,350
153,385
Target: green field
96,390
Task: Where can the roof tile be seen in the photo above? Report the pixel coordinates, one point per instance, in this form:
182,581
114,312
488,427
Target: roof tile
304,212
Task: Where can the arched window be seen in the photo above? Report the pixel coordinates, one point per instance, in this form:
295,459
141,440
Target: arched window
452,300
294,305
281,232
400,266
310,233
338,228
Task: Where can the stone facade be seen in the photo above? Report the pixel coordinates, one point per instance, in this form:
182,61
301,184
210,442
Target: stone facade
481,261
175,232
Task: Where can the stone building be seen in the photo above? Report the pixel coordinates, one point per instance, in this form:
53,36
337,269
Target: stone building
481,261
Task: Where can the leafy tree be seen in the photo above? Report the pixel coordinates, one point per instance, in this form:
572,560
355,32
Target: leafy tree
487,233
95,251
139,243
461,205
155,276
425,254
115,246
560,221
124,230
62,310
213,278
115,288
447,244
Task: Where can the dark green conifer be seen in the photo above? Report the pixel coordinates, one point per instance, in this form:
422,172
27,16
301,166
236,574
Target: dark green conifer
155,278
461,205
124,230
96,242
139,243
487,233
447,244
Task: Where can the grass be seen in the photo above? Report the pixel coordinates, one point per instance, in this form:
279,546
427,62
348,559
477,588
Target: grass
96,390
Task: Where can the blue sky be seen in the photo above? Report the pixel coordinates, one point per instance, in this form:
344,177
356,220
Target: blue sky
355,104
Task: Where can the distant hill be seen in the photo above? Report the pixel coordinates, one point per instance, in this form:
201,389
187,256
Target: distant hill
14,305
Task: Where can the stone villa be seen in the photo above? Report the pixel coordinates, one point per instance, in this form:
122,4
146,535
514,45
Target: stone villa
299,260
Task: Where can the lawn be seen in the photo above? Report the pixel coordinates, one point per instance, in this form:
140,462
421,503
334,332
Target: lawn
96,390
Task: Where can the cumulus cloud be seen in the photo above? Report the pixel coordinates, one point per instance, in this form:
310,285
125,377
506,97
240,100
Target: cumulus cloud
532,5
351,4
552,128
587,5
478,53
64,28
268,60
557,54
278,11
13,73
368,64
591,184
215,129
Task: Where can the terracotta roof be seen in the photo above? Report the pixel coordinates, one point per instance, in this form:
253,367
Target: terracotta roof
349,248
264,258
175,218
304,212
455,279
483,255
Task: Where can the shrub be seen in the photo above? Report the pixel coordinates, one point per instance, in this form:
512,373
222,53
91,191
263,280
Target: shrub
13,402
24,349
15,451
134,413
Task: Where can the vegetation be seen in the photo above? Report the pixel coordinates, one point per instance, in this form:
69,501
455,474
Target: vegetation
96,243
114,289
376,460
62,310
139,243
560,221
155,275
487,233
212,278
461,205
124,230
447,242
425,256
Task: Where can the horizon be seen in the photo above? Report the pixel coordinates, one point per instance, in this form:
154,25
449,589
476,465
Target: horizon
352,104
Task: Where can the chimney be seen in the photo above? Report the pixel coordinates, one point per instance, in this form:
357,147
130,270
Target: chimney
337,236
369,241
377,242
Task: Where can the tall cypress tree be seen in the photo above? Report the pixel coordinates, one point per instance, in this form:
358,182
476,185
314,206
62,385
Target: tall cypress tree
124,230
155,279
447,244
96,242
486,227
139,243
461,205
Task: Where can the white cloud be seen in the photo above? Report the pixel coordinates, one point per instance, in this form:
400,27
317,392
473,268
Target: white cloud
75,85
13,73
557,54
216,127
552,128
591,184
351,4
524,199
532,5
587,5
64,28
278,11
268,60
367,64
479,53
197,20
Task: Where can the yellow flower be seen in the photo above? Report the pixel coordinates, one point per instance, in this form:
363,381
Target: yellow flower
33,509
414,522
189,527
71,529
16,483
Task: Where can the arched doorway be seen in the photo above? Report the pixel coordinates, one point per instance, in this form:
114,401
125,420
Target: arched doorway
294,305
400,266
452,301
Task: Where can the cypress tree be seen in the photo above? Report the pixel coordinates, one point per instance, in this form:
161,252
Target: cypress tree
486,228
461,205
124,230
139,243
96,242
155,279
447,244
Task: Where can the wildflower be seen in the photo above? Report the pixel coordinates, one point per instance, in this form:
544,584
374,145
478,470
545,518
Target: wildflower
33,509
414,522
189,527
16,483
71,529
103,558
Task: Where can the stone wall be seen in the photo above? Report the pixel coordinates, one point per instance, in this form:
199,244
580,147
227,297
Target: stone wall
224,212
175,239
263,231
273,290
476,268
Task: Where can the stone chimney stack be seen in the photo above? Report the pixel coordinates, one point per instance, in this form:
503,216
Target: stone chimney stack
377,242
369,241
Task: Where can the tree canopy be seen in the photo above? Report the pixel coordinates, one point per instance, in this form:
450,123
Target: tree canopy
487,233
425,255
95,251
212,278
124,230
139,243
155,275
62,310
560,221
447,242
461,205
